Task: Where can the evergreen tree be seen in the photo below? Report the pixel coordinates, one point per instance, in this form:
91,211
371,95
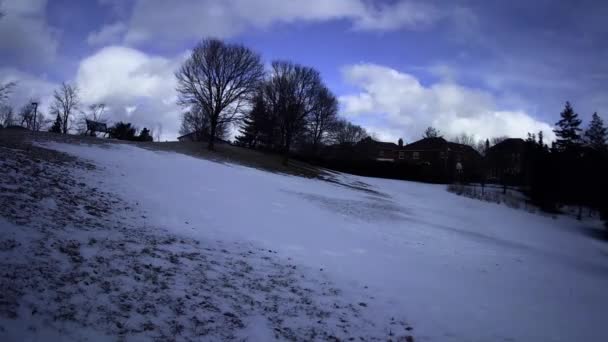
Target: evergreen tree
144,135
122,131
487,147
595,135
56,128
248,133
568,131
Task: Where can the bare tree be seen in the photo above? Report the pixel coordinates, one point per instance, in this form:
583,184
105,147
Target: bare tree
290,94
6,115
65,103
95,112
158,132
431,132
498,140
219,79
324,117
5,90
30,117
197,122
465,139
348,133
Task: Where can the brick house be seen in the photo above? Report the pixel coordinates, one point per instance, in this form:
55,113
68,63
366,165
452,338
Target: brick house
446,159
505,162
371,149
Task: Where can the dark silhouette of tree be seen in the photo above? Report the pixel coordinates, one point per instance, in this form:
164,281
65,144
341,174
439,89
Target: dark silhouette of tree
400,142
145,135
431,132
323,117
65,103
595,135
568,131
291,96
348,133
7,116
219,79
197,122
258,125
123,131
56,127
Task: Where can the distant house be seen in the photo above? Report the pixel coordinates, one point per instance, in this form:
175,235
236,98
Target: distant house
443,157
192,136
505,162
371,149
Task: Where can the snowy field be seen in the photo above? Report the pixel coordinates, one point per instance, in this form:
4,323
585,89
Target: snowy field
357,257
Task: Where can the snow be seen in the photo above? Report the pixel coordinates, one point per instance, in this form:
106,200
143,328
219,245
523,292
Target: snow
456,269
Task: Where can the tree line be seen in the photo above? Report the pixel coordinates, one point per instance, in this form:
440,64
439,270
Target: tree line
68,112
573,170
223,84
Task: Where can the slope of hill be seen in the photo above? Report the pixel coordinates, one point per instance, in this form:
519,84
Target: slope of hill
153,244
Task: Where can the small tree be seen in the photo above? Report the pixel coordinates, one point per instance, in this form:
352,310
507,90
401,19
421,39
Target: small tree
123,131
56,127
431,132
6,115
145,135
218,79
65,103
567,130
595,135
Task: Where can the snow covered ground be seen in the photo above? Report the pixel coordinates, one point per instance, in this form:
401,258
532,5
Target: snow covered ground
373,251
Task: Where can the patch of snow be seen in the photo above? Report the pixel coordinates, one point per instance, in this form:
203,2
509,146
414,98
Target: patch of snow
457,269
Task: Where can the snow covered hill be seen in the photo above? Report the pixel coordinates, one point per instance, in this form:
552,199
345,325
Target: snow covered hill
278,256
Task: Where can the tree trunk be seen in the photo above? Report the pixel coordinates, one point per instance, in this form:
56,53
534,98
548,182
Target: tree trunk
211,145
286,152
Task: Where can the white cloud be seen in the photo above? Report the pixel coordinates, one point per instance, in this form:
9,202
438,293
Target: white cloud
136,87
108,34
405,104
25,35
168,21
29,87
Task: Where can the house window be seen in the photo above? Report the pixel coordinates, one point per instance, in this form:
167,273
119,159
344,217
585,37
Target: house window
401,155
416,155
442,155
381,153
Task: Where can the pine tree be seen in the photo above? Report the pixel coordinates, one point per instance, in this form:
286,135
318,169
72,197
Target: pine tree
144,135
56,128
568,130
595,135
248,133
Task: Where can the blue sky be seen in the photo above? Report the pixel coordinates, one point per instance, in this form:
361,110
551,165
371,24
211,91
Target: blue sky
486,68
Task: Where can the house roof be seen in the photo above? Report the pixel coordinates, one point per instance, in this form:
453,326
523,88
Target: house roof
508,144
439,143
378,144
426,144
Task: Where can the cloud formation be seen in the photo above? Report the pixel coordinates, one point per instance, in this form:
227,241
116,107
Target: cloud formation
408,106
25,34
135,86
168,21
